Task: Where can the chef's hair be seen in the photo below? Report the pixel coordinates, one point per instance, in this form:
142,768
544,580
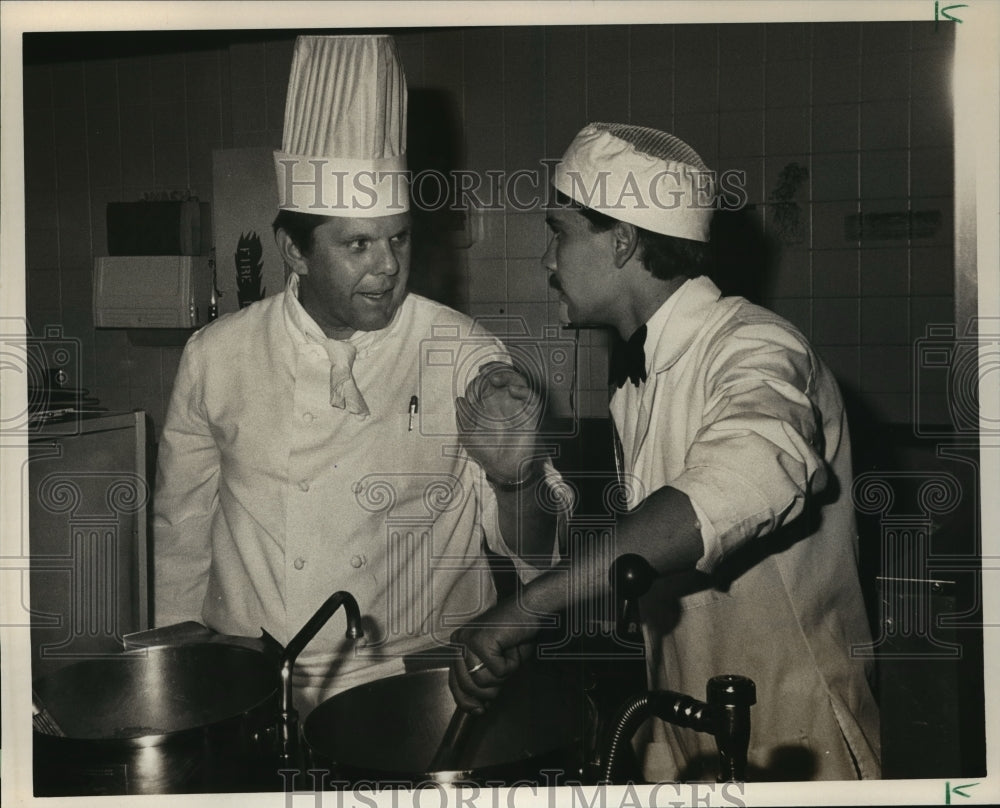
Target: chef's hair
665,257
299,226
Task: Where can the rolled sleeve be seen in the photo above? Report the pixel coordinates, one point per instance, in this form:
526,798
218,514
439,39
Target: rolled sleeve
759,453
709,539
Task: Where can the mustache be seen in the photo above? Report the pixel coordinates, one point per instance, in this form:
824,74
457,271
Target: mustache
554,283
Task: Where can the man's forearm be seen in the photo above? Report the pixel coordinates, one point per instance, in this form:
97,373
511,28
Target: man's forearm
663,529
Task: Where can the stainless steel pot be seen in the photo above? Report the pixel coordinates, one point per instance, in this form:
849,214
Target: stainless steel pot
163,720
387,731
185,717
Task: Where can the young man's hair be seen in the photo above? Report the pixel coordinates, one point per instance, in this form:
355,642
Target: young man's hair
665,257
299,226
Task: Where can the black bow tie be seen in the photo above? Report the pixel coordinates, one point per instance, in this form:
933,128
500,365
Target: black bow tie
628,359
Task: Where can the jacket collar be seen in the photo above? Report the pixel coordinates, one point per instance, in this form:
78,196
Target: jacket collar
670,332
673,327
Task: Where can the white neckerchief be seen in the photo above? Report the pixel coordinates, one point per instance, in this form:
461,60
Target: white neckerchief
344,392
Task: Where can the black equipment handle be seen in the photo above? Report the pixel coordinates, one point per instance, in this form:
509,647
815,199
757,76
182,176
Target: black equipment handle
725,714
630,577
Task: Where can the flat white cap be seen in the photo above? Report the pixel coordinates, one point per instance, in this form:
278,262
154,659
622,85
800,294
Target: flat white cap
641,176
343,149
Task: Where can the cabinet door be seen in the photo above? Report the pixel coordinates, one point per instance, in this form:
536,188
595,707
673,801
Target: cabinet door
87,508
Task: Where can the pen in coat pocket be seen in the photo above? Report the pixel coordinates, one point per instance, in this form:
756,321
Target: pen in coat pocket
413,411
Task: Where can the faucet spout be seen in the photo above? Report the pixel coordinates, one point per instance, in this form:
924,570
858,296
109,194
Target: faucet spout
289,716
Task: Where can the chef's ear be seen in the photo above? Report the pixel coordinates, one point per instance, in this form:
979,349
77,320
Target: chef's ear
290,253
626,240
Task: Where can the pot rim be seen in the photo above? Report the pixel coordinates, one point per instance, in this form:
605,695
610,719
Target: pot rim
508,770
154,739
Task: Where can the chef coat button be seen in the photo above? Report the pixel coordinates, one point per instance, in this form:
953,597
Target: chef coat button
299,563
357,561
307,417
304,485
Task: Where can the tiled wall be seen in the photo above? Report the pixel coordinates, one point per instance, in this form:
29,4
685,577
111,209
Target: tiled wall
864,108
106,130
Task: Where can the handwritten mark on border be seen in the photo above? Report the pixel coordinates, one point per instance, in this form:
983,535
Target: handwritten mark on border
949,789
944,12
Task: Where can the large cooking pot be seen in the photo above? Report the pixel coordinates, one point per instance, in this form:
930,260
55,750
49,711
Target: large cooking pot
209,715
388,731
162,720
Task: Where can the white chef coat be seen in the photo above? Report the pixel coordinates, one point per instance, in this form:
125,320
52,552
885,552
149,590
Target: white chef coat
269,499
739,413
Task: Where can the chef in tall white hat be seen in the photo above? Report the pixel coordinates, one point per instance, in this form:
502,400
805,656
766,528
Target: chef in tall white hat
343,148
344,226
311,443
734,449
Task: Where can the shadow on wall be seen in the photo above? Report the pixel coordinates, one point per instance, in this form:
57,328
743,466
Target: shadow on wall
871,449
744,255
434,148
920,558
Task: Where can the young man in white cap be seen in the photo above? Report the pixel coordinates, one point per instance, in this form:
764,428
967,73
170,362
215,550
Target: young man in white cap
735,454
311,442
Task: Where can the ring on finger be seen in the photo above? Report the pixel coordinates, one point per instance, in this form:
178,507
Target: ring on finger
477,667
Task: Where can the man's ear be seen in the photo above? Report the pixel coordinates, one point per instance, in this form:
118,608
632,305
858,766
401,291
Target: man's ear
626,240
290,253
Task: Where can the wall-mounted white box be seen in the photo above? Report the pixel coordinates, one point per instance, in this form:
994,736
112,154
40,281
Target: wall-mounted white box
152,291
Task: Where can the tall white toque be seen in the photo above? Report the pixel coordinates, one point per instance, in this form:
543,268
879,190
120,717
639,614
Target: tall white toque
641,176
343,149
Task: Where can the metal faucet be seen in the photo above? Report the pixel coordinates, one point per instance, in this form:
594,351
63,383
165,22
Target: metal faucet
726,713
726,716
288,728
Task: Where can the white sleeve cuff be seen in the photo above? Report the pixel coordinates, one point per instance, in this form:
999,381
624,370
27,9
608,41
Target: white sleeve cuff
709,538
